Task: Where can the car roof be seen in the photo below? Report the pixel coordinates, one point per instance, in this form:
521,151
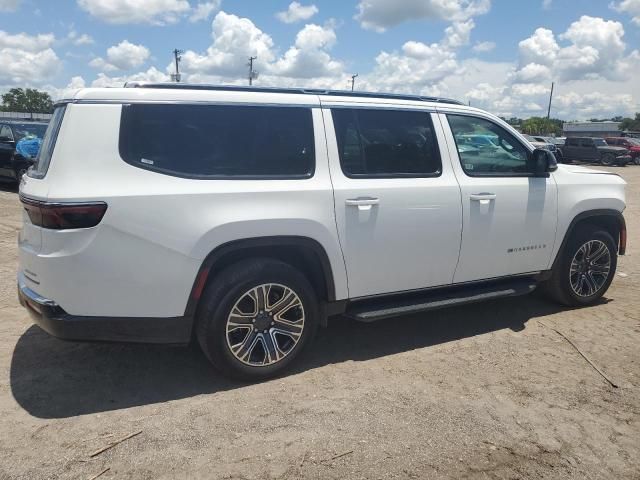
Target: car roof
179,92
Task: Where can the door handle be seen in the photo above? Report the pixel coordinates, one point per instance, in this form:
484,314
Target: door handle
363,203
483,197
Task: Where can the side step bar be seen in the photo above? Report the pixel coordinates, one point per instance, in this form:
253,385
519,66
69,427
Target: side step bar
370,311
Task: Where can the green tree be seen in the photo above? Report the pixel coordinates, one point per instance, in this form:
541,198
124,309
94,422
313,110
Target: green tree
27,100
630,124
541,126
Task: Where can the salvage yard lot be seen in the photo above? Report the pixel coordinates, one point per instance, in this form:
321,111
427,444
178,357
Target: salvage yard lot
481,391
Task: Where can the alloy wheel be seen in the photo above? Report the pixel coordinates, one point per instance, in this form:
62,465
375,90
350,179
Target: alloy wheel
265,324
590,268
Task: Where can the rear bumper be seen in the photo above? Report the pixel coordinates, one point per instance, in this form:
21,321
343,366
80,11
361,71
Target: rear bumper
56,322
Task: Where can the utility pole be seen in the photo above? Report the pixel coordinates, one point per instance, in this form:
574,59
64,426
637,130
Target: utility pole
550,97
353,81
252,74
177,55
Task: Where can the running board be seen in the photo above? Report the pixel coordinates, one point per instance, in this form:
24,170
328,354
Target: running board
370,311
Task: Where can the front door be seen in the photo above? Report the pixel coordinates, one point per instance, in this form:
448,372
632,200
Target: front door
7,146
509,216
397,203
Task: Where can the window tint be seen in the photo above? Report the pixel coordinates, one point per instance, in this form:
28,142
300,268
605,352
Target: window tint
486,148
214,141
43,159
5,133
386,143
586,142
571,142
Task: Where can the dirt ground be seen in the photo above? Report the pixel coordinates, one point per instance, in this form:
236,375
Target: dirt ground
482,391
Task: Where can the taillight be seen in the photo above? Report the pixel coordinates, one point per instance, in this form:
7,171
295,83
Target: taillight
61,216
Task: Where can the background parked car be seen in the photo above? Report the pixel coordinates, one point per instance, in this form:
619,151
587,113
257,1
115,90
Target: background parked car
631,144
588,149
14,163
542,142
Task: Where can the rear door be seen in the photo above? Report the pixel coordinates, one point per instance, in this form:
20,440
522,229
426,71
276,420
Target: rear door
397,201
509,216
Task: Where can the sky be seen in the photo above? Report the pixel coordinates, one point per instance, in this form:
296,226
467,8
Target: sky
500,55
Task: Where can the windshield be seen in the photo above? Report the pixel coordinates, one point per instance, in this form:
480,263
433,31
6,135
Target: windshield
23,129
599,142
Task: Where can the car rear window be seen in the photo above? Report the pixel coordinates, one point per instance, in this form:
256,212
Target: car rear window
39,169
219,141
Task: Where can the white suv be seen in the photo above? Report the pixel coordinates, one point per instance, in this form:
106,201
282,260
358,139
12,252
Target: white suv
244,217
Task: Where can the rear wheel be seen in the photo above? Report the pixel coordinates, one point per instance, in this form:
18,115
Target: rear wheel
256,318
585,268
636,160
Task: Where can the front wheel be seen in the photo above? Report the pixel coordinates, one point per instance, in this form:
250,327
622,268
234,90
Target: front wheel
636,160
256,318
607,160
585,268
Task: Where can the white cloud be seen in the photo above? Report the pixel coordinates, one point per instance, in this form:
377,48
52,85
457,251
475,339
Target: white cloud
123,56
484,46
234,40
457,34
79,40
23,41
155,12
632,7
596,50
203,11
27,59
9,5
297,12
378,15
150,75
309,58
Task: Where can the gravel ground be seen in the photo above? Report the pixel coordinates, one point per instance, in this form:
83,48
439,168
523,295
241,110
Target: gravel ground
482,391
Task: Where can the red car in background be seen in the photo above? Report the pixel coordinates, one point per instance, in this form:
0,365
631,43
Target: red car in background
631,144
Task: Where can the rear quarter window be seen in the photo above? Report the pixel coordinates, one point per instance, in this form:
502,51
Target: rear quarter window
39,169
219,141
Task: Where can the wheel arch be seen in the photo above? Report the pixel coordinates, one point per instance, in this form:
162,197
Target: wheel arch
610,220
304,253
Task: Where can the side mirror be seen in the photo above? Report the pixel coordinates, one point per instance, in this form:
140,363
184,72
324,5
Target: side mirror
543,161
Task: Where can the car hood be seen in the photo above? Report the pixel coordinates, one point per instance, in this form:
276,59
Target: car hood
613,149
584,170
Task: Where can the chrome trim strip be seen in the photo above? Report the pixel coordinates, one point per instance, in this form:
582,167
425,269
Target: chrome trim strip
33,296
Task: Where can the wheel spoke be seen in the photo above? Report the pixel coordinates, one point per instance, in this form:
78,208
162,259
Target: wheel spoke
243,349
591,284
600,269
598,253
288,301
271,349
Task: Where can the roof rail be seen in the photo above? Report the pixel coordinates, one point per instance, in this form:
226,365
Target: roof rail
308,91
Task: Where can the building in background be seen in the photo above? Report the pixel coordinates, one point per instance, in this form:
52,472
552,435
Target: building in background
591,129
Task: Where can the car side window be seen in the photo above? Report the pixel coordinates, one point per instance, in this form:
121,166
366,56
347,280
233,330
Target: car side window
386,143
5,133
487,149
586,142
219,141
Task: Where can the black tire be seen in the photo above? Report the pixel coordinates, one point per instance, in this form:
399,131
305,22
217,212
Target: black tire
229,287
607,159
559,287
636,160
